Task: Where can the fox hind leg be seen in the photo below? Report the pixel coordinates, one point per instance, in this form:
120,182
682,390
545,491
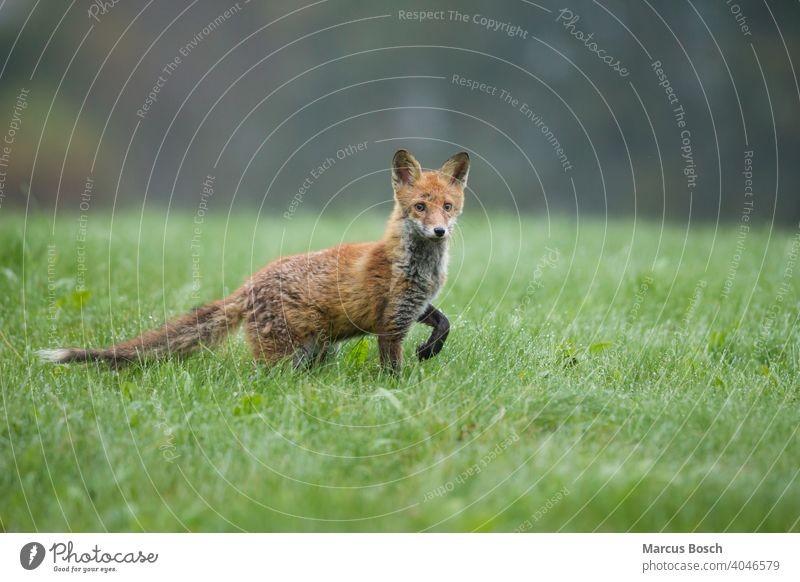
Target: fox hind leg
317,349
273,337
270,349
270,338
314,350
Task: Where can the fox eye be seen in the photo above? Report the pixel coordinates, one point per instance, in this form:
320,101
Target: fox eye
420,207
448,207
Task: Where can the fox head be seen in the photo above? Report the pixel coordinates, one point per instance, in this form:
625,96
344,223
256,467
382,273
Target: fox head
429,201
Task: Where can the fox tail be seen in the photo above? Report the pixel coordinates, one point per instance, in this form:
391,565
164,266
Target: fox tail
205,325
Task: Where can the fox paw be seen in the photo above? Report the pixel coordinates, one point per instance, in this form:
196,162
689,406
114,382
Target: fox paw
428,350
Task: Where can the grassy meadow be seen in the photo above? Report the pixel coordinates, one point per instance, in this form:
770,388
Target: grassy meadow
600,376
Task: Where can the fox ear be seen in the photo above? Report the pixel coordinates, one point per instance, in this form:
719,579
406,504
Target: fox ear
457,168
405,169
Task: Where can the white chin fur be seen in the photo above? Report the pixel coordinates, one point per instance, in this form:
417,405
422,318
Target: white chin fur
53,356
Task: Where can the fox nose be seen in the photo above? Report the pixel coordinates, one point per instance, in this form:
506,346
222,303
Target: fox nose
439,231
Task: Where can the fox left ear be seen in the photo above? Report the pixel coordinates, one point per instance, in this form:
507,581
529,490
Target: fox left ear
457,168
405,170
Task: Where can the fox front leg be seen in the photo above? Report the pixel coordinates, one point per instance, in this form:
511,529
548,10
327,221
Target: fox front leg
398,317
441,328
390,346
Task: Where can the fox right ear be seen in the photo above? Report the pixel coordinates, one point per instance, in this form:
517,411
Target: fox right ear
457,168
405,169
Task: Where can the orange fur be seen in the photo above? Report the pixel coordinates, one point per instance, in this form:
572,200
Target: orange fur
302,305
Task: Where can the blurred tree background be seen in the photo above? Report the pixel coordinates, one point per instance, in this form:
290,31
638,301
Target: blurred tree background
146,101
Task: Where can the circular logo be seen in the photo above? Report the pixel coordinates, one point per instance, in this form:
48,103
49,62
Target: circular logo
31,555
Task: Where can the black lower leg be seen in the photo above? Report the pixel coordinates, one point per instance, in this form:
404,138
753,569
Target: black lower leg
441,328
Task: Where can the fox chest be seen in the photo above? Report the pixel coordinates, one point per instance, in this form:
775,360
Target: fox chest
424,271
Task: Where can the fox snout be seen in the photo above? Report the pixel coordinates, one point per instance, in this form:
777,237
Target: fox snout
431,231
436,231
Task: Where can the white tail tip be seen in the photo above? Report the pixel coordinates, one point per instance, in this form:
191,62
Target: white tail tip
53,356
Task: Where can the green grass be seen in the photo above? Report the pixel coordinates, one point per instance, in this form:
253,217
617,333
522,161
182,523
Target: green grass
628,378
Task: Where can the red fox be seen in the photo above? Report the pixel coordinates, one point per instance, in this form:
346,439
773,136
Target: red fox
302,305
